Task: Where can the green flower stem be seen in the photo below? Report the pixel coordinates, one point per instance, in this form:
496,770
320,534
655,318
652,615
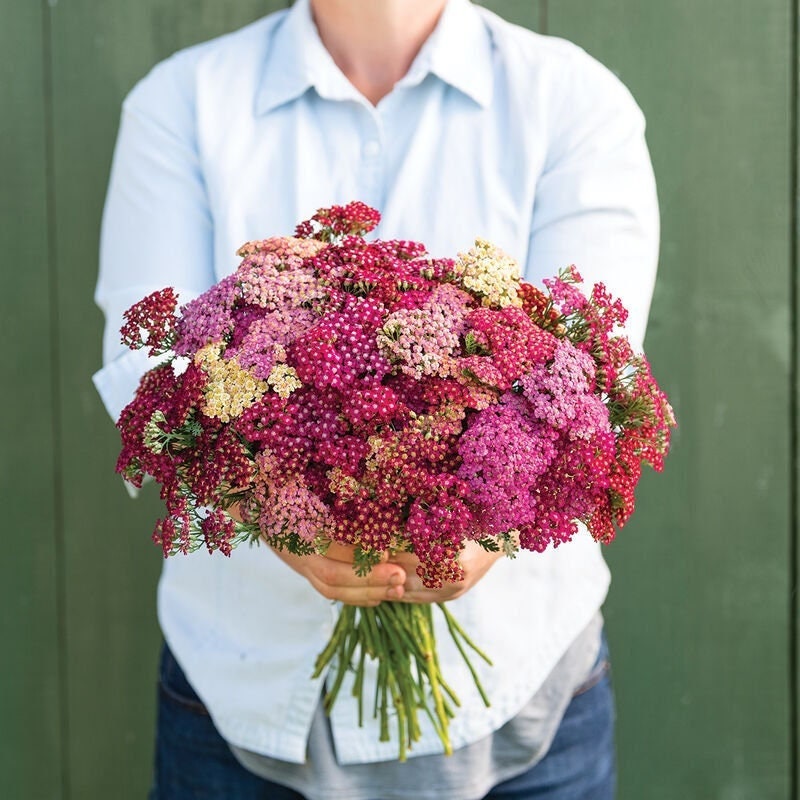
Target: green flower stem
408,688
347,640
455,627
402,724
425,630
400,637
358,686
445,686
384,705
324,658
399,621
401,689
471,669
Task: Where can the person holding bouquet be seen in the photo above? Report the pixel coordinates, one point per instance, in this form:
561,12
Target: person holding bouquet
453,123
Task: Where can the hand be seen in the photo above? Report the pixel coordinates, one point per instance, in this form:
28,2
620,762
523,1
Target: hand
333,576
474,560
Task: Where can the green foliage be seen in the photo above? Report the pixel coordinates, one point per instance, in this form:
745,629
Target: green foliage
365,560
472,347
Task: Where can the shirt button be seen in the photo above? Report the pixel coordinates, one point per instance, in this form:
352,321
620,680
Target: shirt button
371,149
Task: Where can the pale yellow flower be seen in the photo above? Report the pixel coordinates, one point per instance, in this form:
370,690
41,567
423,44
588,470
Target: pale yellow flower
489,272
283,379
230,389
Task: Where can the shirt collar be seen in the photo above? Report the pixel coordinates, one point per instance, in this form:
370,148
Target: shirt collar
458,52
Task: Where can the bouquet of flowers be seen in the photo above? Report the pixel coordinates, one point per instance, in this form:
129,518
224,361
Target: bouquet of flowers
337,389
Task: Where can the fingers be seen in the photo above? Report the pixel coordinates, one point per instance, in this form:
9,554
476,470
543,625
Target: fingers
337,581
395,578
416,592
333,576
475,563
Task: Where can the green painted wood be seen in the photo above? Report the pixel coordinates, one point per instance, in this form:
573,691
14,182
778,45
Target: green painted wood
795,410
699,609
110,565
529,13
30,721
699,612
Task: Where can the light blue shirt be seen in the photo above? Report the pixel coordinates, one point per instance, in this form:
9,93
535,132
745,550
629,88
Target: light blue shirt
494,132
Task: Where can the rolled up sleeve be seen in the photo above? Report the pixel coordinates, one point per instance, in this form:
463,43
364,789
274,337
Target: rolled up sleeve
596,204
157,228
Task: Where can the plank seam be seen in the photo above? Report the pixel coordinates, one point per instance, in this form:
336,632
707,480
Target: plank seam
55,374
794,499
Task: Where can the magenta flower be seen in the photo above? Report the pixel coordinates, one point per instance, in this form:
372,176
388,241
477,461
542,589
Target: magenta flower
363,392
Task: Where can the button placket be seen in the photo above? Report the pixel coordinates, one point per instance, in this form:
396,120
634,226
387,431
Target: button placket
372,166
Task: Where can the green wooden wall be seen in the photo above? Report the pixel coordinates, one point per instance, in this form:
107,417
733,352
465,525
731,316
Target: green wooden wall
702,615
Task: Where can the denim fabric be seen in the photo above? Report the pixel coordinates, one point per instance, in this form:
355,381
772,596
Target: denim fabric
581,762
193,762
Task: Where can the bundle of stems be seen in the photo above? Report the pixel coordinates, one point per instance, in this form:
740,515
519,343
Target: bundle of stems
400,637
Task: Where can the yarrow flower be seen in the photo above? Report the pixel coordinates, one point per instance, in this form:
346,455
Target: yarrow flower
207,319
561,393
489,273
354,219
290,250
423,342
290,506
371,376
283,380
229,389
340,389
275,281
151,322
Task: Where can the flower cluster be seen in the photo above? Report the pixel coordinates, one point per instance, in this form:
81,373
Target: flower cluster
490,274
346,390
328,224
150,322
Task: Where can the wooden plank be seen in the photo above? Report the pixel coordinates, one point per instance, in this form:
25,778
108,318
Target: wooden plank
111,566
794,293
713,576
30,711
699,609
529,13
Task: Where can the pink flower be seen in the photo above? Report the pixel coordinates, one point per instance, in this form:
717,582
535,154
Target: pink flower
360,391
208,318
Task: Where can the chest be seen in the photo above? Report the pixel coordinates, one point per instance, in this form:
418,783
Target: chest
440,169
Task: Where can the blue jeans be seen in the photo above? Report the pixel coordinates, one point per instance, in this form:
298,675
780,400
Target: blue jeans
193,762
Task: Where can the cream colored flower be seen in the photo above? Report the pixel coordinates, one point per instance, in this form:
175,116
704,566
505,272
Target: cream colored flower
283,379
230,389
490,273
